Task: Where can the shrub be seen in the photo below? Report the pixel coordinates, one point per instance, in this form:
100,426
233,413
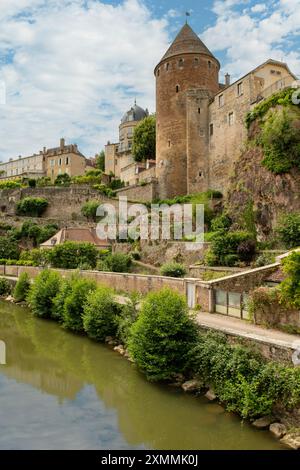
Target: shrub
10,184
74,303
126,318
246,250
37,256
263,260
290,287
32,206
22,287
63,180
4,286
163,335
42,292
221,222
289,230
231,260
210,259
241,379
224,244
44,181
100,312
89,210
59,299
32,183
9,248
173,270
70,255
115,262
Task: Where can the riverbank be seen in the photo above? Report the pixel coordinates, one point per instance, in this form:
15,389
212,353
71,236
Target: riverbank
233,375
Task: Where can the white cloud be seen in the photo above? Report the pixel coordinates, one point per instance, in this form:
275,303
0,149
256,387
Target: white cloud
77,66
259,8
248,40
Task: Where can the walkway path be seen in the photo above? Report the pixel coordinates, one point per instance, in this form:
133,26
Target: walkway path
244,329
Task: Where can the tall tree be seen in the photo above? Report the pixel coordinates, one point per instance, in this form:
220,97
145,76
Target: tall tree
100,161
144,139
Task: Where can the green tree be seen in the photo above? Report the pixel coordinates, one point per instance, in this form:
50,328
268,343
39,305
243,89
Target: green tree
100,160
9,248
100,312
290,287
22,287
115,262
289,230
63,180
42,293
144,139
163,335
173,270
70,255
74,303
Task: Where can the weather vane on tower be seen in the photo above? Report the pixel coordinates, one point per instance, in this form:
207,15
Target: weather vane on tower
187,14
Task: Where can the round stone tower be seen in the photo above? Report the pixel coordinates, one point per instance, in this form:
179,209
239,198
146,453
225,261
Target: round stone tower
186,78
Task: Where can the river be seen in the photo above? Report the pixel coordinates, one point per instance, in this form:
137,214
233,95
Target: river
63,391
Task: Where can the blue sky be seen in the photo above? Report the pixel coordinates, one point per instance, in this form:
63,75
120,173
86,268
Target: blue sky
72,67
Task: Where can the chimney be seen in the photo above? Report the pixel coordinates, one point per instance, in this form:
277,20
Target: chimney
62,143
227,79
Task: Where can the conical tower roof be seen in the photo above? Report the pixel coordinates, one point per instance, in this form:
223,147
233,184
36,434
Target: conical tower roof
187,42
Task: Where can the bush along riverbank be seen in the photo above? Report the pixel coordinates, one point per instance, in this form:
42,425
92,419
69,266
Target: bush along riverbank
161,338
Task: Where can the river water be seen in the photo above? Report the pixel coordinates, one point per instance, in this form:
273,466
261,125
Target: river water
63,391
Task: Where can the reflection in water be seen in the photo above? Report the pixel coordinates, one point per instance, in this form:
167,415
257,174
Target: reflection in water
59,390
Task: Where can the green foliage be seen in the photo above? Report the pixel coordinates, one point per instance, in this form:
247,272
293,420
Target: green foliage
70,255
173,270
263,260
126,318
43,182
116,183
42,292
280,139
144,140
36,257
9,248
22,287
5,288
100,313
210,259
60,297
63,180
74,303
115,262
32,183
241,379
10,184
32,206
289,230
221,222
100,160
37,233
230,260
283,98
87,179
103,189
248,218
163,335
240,244
89,210
290,287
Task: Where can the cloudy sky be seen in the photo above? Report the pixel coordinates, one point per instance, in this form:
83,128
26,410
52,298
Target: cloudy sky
72,67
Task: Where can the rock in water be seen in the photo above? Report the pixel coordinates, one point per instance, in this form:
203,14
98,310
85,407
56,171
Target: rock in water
192,385
210,395
264,422
291,440
278,429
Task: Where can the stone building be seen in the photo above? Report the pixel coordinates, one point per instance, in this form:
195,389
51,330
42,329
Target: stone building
48,162
118,156
200,122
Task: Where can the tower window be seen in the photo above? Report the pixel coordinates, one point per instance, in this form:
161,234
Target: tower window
200,173
209,64
169,143
167,66
199,110
158,73
177,88
196,60
180,62
211,129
